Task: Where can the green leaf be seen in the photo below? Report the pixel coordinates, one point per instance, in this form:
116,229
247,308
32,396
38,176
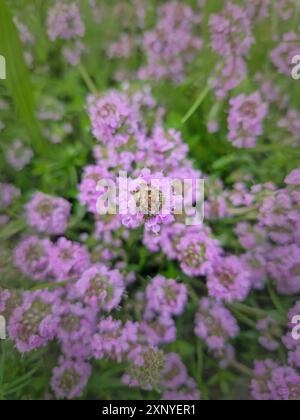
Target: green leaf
224,161
18,80
196,104
12,229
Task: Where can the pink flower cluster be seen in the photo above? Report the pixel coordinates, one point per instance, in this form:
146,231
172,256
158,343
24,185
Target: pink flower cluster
48,214
245,120
215,324
231,39
273,382
172,44
65,23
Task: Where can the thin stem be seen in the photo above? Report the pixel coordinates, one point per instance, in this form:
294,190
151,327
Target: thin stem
249,310
241,368
243,318
196,104
242,210
87,79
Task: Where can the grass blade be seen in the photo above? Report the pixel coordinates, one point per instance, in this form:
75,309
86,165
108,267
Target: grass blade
18,78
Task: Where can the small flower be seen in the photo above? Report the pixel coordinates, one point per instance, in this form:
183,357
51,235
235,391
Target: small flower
32,257
48,214
75,329
146,368
198,253
69,378
187,391
230,280
69,260
99,286
215,324
8,193
113,119
293,178
114,340
245,120
270,331
64,21
34,323
18,155
262,375
231,31
175,372
165,296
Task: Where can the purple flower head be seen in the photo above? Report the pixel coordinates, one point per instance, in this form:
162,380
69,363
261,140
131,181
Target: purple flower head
146,368
175,372
262,374
10,299
279,214
34,323
282,55
198,253
258,10
230,280
26,36
99,286
225,356
229,75
158,331
245,120
293,178
72,53
48,214
69,260
18,155
113,119
88,192
8,193
270,332
256,264
286,8
231,31
32,257
64,21
166,150
114,340
285,384
284,268
187,391
250,236
69,378
290,123
165,296
167,58
75,329
148,202
215,324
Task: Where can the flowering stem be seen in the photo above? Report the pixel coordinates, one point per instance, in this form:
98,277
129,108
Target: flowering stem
86,77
